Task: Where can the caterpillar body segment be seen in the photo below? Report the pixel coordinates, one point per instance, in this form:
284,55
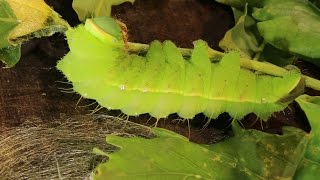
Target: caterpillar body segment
163,82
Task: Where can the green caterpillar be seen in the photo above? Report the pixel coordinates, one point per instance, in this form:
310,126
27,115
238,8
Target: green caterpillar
162,81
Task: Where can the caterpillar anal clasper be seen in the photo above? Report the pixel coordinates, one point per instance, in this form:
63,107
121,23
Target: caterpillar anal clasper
163,82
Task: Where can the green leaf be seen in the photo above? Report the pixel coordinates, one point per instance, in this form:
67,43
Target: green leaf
292,26
264,155
169,156
309,167
95,8
251,154
240,39
244,38
10,55
8,22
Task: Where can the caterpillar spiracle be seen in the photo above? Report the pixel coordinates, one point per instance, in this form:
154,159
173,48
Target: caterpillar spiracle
163,81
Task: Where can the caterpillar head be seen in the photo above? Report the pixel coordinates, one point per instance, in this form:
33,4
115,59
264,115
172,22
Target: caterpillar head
104,28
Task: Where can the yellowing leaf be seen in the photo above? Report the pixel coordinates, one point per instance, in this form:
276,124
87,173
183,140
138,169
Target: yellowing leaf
21,20
35,19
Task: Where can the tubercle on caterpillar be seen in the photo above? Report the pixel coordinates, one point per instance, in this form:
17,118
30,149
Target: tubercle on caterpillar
162,82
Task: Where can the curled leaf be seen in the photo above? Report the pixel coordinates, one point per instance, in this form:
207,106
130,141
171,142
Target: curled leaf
36,19
22,20
309,167
240,39
292,26
288,27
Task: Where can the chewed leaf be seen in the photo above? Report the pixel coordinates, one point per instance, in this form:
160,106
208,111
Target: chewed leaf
169,156
309,168
164,82
21,20
250,154
95,8
36,19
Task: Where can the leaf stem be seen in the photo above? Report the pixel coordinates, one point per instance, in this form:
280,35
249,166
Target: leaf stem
215,56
